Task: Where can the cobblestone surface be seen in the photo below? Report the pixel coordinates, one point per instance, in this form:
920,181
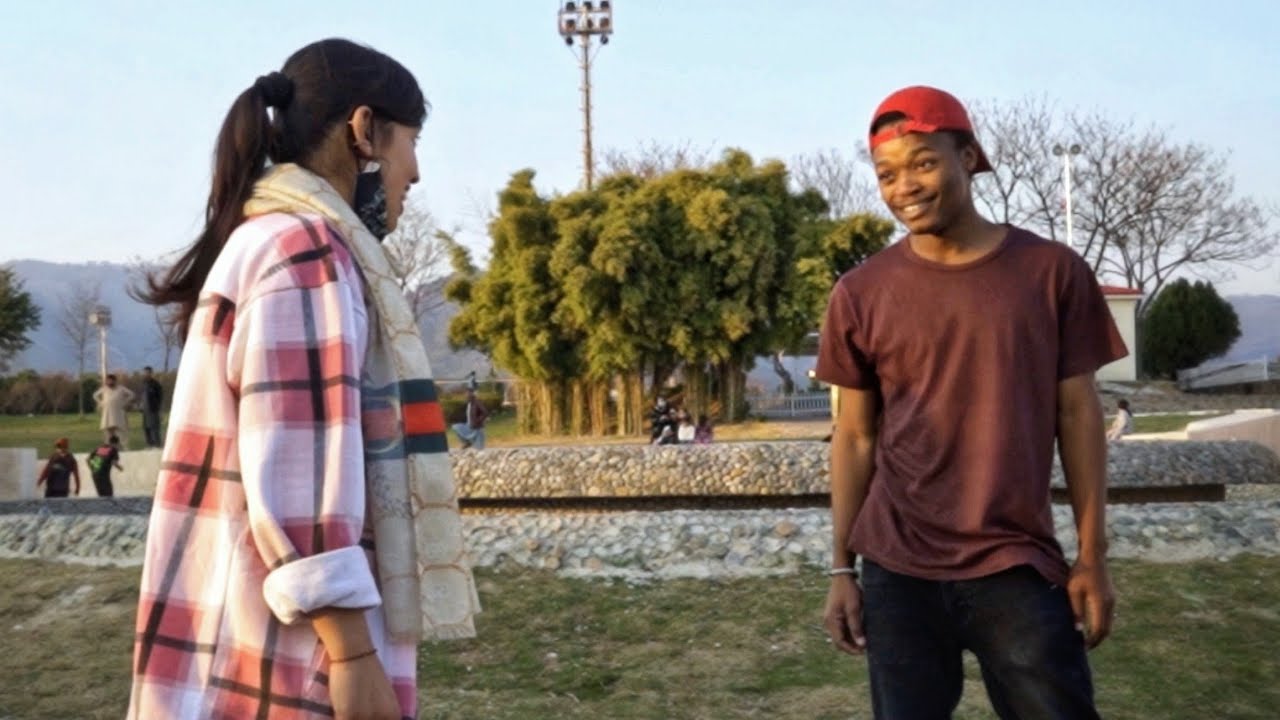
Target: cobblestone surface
690,543
792,468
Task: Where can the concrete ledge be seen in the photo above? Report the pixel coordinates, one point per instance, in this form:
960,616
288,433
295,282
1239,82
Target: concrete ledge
1259,426
17,473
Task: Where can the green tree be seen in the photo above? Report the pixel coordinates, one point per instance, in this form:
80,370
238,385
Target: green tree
1186,325
597,298
19,317
508,311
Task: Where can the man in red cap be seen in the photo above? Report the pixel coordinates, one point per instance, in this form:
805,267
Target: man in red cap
963,353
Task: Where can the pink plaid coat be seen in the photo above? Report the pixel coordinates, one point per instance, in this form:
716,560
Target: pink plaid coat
259,513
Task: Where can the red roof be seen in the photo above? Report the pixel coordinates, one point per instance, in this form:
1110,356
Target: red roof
1119,290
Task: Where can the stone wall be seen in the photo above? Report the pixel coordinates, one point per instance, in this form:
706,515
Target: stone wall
748,468
798,468
685,543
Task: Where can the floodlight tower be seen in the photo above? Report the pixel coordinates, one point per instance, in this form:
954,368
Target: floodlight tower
583,21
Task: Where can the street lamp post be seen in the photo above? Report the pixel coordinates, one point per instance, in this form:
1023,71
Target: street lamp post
582,20
100,318
1066,153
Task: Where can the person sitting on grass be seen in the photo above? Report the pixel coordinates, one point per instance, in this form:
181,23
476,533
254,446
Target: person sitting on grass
666,436
59,472
686,432
471,430
1123,424
703,433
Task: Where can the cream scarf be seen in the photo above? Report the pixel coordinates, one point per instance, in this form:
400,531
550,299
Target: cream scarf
426,583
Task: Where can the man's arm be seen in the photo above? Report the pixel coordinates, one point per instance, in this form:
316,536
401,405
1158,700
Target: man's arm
1083,448
852,463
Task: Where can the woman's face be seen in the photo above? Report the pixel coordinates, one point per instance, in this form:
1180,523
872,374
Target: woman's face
399,160
394,147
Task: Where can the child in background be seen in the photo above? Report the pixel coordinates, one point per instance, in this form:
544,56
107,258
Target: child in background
59,471
100,461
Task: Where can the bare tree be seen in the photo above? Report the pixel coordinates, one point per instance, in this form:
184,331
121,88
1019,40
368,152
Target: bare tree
1026,185
1146,208
843,181
168,336
417,256
653,158
1181,214
76,303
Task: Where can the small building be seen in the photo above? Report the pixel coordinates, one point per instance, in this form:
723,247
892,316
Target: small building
1123,303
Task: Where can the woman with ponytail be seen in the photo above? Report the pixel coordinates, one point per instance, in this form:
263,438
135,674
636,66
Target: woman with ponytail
305,532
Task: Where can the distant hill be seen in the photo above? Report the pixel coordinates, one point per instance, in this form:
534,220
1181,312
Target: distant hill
134,340
1259,327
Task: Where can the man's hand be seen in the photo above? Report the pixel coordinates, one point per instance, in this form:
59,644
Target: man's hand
1093,599
360,690
843,615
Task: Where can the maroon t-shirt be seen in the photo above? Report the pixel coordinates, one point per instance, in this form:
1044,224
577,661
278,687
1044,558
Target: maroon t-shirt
967,360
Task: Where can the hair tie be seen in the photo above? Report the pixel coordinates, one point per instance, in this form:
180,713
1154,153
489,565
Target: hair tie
276,89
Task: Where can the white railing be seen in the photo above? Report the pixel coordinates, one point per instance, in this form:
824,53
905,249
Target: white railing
1237,373
807,404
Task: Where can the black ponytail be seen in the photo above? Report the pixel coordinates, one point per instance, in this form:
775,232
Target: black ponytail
320,85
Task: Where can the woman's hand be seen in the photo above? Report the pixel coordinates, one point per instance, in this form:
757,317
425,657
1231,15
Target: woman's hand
360,690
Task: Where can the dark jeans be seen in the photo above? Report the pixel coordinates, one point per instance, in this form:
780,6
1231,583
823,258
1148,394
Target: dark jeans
1018,625
103,486
151,427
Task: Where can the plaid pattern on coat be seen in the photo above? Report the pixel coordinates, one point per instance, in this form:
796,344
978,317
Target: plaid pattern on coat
259,514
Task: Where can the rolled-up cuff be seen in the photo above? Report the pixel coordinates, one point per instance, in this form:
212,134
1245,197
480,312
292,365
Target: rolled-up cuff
337,578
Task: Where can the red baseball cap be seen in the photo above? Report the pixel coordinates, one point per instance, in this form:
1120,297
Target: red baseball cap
927,110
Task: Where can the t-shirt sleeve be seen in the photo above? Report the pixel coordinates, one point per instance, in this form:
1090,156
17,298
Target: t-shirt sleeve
841,361
1087,334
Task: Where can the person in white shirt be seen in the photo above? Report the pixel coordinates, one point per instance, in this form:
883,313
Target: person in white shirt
1123,424
687,431
113,401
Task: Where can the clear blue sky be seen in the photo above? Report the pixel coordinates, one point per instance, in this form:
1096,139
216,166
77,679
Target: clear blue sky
108,110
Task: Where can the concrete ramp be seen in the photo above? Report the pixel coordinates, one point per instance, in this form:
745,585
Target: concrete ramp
1260,426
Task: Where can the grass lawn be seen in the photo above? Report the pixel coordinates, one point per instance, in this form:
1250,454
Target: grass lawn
39,431
1166,423
1192,641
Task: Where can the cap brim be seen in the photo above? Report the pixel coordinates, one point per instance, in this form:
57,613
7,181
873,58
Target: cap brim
984,165
907,126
